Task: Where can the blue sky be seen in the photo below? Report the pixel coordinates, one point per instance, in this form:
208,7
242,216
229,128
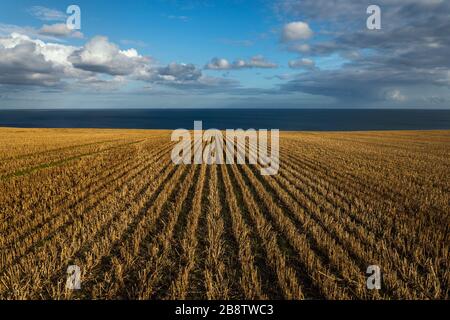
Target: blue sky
223,54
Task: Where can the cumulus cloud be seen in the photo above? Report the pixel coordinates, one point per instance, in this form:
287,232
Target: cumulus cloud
33,62
21,64
296,31
101,56
99,65
219,64
254,62
184,76
178,72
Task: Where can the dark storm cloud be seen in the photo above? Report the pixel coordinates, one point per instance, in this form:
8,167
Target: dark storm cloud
411,50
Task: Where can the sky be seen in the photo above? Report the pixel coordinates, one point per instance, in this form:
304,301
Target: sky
225,54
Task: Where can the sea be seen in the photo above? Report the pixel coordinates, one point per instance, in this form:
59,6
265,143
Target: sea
283,119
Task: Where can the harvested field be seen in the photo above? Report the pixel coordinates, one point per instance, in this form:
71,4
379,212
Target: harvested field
139,227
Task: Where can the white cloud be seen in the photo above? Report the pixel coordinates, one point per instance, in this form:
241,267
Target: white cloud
98,65
101,56
218,64
297,31
395,95
33,62
254,62
178,72
55,32
100,84
59,30
259,62
301,48
47,14
7,29
302,63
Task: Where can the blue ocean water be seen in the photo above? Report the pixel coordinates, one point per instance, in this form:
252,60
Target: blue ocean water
283,119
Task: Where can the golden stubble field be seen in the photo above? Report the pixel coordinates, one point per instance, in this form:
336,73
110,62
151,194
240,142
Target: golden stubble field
139,227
